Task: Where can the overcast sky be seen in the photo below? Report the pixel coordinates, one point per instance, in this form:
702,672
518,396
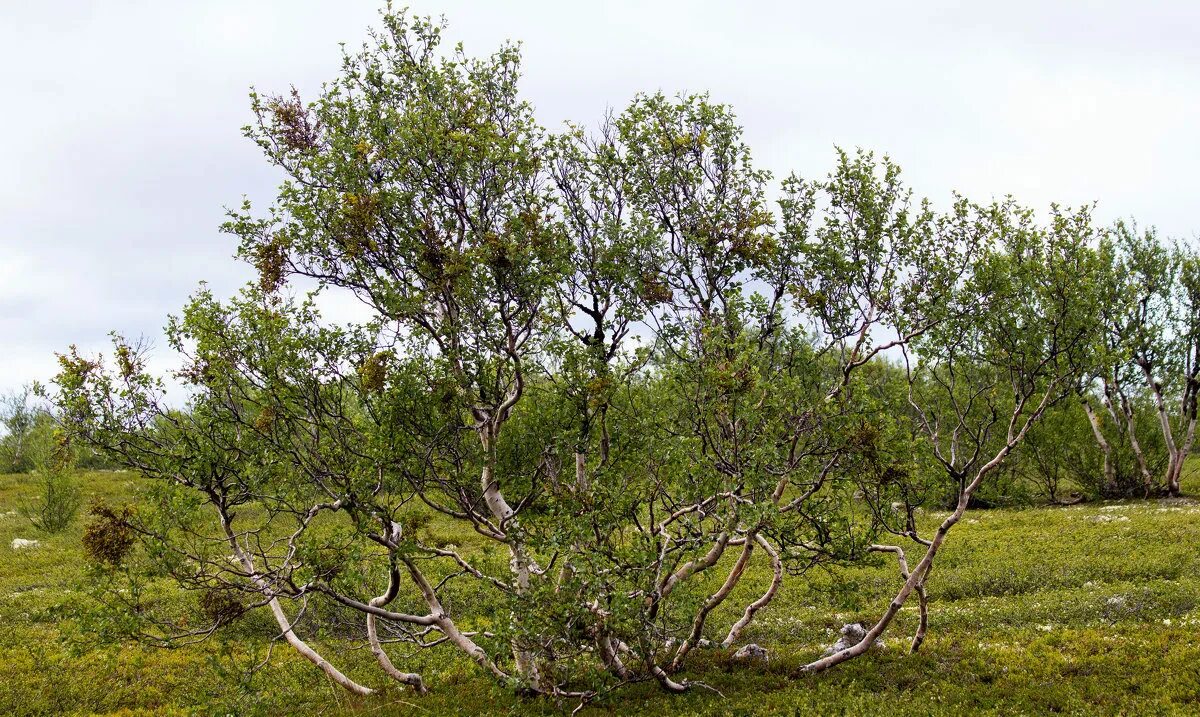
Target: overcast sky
121,120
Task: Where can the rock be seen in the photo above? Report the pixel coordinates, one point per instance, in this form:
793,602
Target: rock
752,653
19,543
852,634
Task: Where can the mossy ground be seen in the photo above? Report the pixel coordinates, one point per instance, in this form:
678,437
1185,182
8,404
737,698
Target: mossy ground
1092,609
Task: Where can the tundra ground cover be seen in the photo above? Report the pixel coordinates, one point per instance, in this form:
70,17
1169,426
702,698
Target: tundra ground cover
1089,609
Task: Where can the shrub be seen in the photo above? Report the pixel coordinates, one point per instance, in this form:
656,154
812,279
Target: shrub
55,509
58,503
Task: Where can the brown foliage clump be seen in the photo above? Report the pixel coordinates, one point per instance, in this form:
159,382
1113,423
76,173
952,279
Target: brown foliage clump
219,607
293,123
108,537
270,258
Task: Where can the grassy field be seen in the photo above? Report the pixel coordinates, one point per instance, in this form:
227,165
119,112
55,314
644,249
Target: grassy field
1092,609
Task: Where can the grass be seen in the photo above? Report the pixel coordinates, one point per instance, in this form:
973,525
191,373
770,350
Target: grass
1092,609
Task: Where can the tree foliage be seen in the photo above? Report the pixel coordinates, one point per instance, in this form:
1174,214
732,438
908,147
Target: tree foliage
608,354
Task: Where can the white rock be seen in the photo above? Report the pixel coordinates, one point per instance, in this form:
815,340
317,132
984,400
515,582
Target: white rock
852,634
19,543
752,653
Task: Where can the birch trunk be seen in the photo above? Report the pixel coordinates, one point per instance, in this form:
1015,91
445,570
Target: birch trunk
581,477
916,578
1176,455
1110,469
519,562
1131,426
776,579
281,618
385,663
1184,451
447,626
712,601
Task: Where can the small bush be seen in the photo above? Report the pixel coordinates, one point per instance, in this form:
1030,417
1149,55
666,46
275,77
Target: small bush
57,505
55,509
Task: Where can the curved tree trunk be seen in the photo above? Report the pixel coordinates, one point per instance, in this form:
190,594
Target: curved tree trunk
407,678
281,618
776,580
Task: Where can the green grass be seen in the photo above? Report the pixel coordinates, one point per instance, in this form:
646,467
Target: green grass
1093,609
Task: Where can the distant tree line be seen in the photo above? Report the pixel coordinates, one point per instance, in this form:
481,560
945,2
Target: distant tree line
27,436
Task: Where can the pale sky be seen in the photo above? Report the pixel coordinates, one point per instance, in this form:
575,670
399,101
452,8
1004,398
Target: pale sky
122,144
